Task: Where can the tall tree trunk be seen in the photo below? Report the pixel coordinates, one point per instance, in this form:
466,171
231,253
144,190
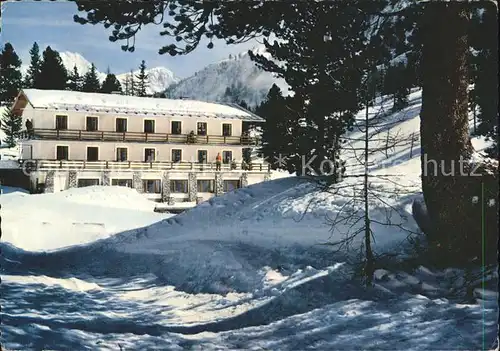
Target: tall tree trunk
443,125
456,224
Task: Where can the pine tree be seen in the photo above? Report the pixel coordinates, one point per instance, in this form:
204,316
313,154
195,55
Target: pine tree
228,95
34,67
111,84
397,84
244,104
53,74
444,130
132,84
10,74
75,80
126,85
91,82
320,71
280,120
142,80
11,126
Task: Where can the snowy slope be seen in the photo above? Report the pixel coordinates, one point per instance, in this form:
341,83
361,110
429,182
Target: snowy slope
239,73
247,271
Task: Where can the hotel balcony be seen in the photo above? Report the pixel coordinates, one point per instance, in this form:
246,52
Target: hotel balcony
83,135
47,165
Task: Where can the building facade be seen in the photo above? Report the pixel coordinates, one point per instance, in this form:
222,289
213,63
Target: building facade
166,149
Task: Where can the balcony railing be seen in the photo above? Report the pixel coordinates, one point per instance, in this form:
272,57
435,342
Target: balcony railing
67,134
45,165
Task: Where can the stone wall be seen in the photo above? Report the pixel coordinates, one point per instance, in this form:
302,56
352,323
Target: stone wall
106,181
219,184
137,182
72,180
192,186
49,182
244,180
165,187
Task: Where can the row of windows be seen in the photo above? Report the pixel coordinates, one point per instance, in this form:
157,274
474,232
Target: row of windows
92,125
62,153
153,186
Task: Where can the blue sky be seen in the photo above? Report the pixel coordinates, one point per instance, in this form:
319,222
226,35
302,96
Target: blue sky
51,23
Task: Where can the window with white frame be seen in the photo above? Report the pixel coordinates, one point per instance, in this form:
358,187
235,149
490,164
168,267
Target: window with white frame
121,154
176,127
227,156
149,154
92,153
202,156
227,129
179,186
149,126
176,155
92,124
62,152
206,185
230,185
87,182
121,125
202,128
61,122
151,186
122,182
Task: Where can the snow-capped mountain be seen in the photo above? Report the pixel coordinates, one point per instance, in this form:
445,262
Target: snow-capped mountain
72,59
160,78
237,76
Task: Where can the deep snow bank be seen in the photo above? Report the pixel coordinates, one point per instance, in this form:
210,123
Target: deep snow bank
72,217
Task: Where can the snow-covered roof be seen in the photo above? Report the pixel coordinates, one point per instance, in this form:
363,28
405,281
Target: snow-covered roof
124,104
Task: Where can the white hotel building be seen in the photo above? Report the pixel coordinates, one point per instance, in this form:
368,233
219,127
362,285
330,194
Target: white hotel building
163,148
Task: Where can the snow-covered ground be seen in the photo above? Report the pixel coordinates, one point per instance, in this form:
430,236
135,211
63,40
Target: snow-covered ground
77,216
244,271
